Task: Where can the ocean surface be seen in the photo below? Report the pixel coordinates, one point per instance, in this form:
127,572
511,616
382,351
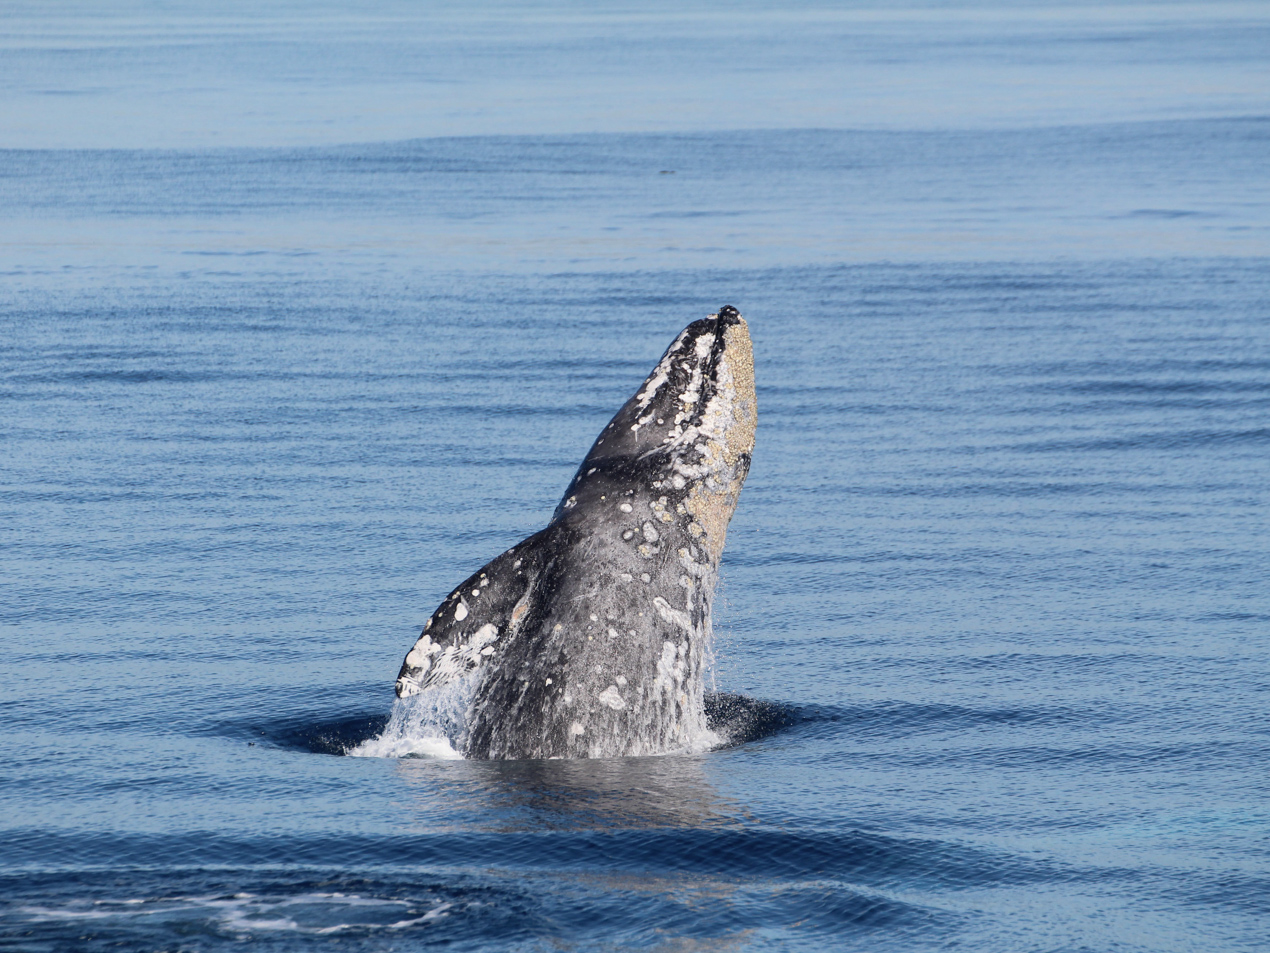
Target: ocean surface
306,313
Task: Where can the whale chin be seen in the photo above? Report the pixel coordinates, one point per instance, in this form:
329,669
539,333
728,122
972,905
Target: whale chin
589,638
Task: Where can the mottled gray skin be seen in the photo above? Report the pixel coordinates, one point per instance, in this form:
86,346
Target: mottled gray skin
587,640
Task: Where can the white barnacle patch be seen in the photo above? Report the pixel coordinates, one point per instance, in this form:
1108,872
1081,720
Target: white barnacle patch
476,592
460,611
571,502
670,670
628,534
612,698
647,551
625,507
650,532
645,577
661,374
548,681
612,632
576,729
422,653
621,680
626,577
672,615
700,570
659,510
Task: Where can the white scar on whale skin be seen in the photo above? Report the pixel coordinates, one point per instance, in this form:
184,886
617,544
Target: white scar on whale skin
591,637
443,665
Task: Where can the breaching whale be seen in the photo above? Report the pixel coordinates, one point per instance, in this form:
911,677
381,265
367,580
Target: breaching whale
588,639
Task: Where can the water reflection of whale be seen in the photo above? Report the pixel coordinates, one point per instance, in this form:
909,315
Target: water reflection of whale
585,794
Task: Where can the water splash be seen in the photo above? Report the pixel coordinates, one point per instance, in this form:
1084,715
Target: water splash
431,724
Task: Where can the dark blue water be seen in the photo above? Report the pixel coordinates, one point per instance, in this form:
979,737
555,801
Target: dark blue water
992,634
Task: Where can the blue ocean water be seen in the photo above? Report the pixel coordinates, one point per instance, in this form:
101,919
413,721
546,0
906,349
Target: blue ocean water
305,314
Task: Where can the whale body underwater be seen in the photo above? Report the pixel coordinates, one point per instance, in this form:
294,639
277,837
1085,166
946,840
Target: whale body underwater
589,638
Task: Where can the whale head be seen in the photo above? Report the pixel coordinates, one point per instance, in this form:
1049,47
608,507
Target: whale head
688,431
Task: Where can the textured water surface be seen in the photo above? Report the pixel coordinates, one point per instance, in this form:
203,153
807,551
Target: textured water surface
991,640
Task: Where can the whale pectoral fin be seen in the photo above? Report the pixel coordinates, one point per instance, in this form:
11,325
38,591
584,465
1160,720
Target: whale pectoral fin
474,621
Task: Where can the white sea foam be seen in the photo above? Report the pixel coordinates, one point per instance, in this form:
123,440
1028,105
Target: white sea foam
246,914
700,740
427,725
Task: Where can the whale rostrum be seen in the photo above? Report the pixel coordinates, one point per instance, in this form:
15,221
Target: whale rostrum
589,638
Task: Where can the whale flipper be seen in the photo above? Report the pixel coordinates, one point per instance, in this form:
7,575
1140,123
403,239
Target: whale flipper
476,620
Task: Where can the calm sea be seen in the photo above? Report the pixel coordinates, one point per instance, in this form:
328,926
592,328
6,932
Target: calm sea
306,313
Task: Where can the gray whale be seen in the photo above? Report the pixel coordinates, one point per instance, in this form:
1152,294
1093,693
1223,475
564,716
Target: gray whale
588,639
